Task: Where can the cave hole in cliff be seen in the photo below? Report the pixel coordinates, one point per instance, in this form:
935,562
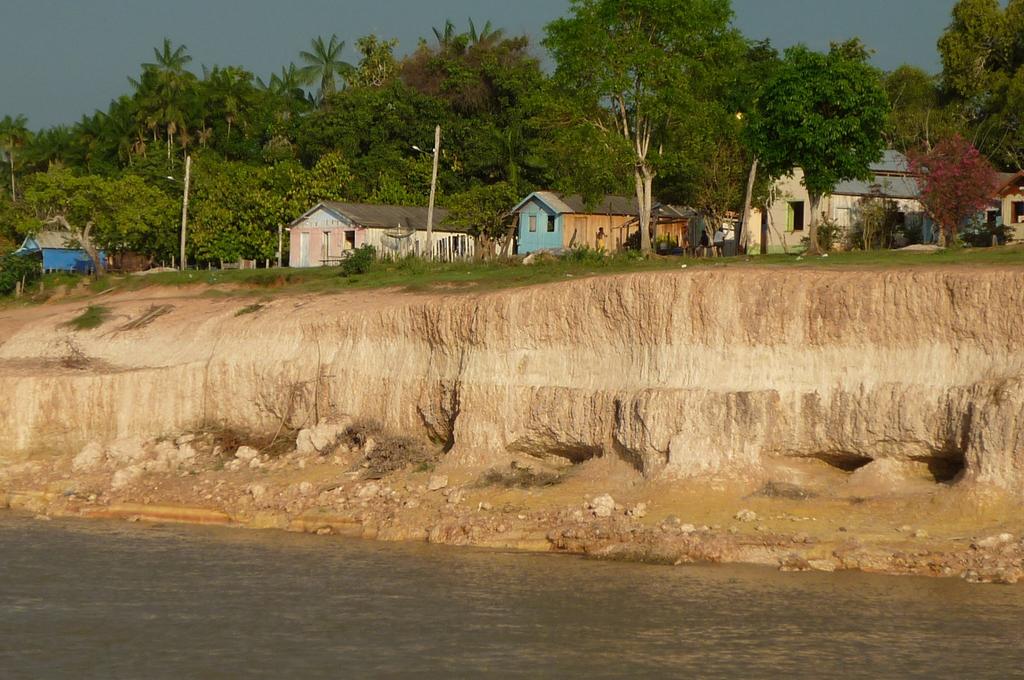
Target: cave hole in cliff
843,460
945,467
574,453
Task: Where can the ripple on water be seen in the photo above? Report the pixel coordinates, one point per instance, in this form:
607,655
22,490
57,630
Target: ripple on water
93,599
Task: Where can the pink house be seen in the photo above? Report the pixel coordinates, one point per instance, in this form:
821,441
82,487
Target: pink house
323,234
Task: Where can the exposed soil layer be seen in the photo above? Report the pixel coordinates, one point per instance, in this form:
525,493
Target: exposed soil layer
864,419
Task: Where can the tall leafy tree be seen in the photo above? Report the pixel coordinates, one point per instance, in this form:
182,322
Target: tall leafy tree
918,117
633,67
14,135
982,54
322,63
823,113
110,214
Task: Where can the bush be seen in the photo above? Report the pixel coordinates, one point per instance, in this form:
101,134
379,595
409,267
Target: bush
979,234
359,262
584,255
16,268
829,235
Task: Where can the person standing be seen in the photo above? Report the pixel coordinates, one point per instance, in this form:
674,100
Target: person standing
719,241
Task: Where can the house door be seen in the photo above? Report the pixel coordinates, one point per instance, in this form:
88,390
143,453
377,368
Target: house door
304,249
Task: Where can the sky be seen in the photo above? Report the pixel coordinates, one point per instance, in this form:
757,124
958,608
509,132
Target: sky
60,59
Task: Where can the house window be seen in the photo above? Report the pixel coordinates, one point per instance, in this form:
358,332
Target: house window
551,223
795,216
533,223
325,246
1018,212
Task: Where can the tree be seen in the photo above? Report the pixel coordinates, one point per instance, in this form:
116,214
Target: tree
14,135
982,54
956,182
166,92
975,49
917,117
631,67
323,62
377,65
485,211
823,113
109,214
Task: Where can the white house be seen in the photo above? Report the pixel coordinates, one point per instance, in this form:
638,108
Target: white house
323,234
786,221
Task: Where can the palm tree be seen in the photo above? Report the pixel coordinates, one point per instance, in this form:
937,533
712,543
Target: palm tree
445,35
49,147
168,59
163,89
487,36
323,63
14,134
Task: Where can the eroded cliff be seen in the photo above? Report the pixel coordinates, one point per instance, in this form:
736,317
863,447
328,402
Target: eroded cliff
712,372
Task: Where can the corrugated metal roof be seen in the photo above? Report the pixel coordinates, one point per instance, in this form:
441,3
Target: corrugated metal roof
554,201
387,216
56,239
606,205
889,186
892,161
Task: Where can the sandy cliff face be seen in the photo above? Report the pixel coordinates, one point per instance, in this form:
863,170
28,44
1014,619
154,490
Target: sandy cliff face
709,372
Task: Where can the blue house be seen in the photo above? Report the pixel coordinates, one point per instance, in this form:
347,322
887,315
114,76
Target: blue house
553,221
61,251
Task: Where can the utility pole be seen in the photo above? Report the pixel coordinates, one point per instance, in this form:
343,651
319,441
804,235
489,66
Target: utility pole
184,211
433,191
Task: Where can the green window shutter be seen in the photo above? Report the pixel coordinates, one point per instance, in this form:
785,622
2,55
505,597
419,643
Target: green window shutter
789,217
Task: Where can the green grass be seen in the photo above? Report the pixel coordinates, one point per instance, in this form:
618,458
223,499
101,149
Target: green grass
414,275
92,317
249,309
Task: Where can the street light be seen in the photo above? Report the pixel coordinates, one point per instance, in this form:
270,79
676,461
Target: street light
184,207
433,190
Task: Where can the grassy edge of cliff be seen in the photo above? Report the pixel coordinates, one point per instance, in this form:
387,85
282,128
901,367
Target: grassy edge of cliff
416,275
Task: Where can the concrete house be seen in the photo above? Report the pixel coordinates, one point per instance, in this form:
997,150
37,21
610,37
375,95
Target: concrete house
60,251
550,221
325,232
786,221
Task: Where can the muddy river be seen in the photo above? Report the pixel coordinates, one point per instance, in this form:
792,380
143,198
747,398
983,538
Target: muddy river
117,600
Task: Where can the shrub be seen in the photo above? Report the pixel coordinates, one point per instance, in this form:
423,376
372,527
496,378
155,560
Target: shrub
584,255
16,268
979,234
359,262
829,235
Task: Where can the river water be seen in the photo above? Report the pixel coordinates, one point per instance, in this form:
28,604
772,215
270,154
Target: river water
112,600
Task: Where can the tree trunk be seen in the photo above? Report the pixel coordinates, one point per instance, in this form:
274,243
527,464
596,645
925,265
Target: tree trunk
813,248
506,244
745,233
10,157
644,180
83,239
